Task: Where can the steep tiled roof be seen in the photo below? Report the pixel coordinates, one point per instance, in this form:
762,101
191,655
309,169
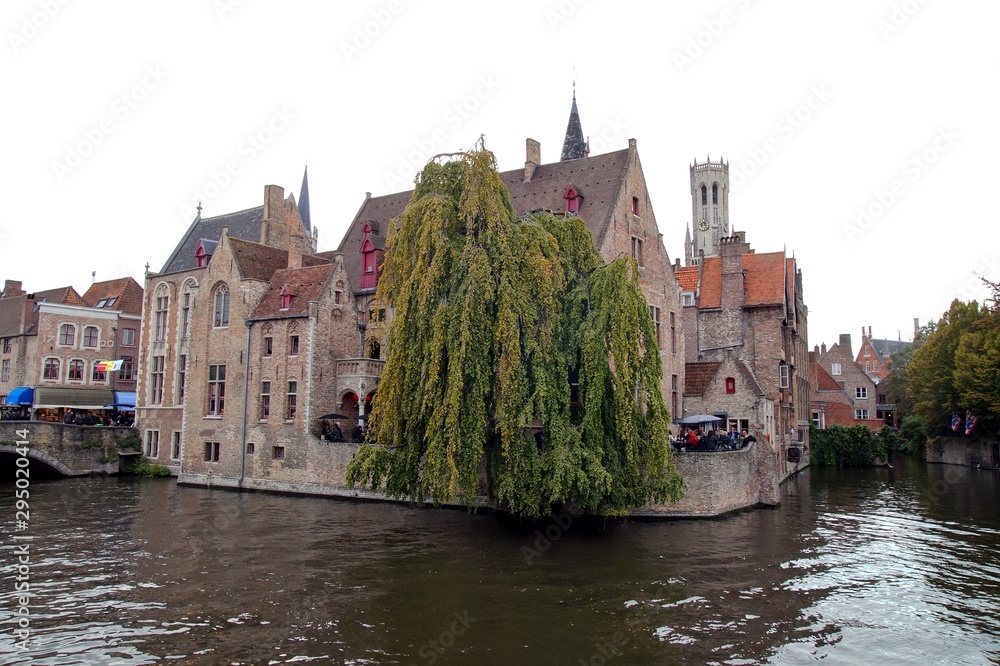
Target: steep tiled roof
888,347
243,224
126,292
710,295
597,179
304,285
765,278
63,295
688,277
256,261
697,376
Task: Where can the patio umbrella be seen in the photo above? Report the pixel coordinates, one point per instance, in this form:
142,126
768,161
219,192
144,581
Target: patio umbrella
338,417
698,419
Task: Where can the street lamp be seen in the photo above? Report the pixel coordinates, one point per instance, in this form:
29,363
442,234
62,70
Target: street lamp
362,327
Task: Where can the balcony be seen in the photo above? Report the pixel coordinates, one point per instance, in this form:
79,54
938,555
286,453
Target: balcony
360,367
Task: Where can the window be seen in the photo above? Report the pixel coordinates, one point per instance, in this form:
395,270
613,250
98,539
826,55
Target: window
160,319
251,447
186,317
687,298
868,351
731,385
674,395
861,413
156,380
715,194
128,337
572,200
293,345
211,452
51,369
654,312
868,366
861,392
6,345
265,400
5,370
336,297
76,370
152,443
815,419
286,298
67,335
181,376
268,346
98,375
90,336
783,376
370,262
834,368
635,205
278,452
673,333
128,369
637,250
216,390
875,366
222,307
292,389
175,446
101,303
704,195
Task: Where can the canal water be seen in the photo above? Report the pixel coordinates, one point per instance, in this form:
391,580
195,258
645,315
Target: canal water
874,566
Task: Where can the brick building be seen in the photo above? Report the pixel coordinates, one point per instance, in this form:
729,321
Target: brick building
52,341
748,330
838,363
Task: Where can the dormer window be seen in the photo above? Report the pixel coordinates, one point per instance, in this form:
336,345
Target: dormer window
286,298
573,200
201,255
369,277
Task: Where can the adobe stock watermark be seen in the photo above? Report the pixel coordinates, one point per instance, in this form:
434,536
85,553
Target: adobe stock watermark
973,287
913,169
122,106
363,36
433,142
899,16
612,646
561,12
711,30
223,8
246,152
553,532
32,24
433,649
787,126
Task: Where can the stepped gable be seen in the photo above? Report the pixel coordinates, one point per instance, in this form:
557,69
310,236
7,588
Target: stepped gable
126,292
256,261
303,284
597,179
244,224
697,376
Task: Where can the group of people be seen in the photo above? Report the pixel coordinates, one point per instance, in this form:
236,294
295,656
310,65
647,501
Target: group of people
713,440
108,418
332,432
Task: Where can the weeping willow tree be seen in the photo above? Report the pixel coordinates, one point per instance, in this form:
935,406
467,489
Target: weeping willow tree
519,366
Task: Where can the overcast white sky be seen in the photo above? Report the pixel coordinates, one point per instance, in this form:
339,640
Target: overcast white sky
120,116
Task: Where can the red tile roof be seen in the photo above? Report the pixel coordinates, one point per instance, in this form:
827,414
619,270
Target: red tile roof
688,277
304,285
710,295
126,292
765,278
697,376
256,261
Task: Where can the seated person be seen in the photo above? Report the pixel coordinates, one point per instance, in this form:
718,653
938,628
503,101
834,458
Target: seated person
337,435
692,439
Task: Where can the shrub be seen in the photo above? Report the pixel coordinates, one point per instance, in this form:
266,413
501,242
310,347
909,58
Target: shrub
854,446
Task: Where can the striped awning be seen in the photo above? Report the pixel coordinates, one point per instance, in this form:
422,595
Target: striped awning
80,398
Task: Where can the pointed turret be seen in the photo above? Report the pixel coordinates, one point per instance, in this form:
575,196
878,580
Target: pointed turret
304,200
574,146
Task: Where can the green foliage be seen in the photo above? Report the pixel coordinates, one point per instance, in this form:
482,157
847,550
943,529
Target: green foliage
853,446
132,441
913,432
897,384
494,318
91,444
140,466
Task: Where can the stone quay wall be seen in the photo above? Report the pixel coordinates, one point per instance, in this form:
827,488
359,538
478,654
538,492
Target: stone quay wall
71,449
965,451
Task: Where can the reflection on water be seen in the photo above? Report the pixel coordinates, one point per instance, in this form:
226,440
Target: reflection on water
855,566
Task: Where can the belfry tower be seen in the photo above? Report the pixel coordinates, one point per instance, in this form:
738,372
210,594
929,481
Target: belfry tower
709,209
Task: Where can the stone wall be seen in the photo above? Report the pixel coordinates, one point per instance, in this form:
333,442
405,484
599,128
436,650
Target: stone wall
70,449
966,451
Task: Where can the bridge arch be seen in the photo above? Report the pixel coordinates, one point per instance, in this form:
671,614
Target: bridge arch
35,454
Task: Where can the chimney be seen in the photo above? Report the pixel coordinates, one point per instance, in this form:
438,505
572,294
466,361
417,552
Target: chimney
822,349
916,325
533,158
294,259
12,289
845,341
273,230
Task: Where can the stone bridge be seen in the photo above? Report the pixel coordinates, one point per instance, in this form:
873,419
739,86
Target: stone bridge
70,450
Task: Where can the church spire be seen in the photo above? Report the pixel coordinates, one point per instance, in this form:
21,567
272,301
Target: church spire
304,199
574,146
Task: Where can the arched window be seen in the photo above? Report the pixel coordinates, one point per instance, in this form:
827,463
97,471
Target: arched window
715,194
704,195
221,319
67,335
374,349
187,302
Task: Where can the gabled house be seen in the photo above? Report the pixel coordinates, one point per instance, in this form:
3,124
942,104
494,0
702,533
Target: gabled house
838,363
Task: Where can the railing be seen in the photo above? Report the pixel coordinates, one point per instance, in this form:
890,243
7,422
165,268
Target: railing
360,367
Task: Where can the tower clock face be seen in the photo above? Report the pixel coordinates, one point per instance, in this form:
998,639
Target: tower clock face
703,225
